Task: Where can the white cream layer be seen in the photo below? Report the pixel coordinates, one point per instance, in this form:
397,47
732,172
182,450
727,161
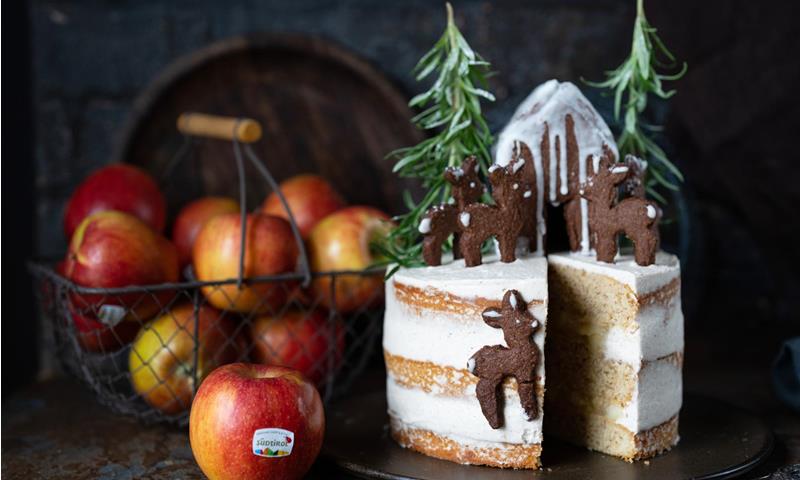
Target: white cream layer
659,333
657,398
625,269
460,418
492,279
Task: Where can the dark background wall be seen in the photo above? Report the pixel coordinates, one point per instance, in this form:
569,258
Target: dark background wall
732,127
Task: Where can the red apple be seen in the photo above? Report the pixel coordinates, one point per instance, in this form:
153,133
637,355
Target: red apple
117,187
270,249
161,360
112,249
302,340
342,242
310,197
256,421
191,219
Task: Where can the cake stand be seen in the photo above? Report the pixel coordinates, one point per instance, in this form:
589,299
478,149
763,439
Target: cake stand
717,441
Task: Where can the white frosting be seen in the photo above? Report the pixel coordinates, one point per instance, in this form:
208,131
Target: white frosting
659,333
460,418
547,106
491,279
585,244
657,398
626,270
464,219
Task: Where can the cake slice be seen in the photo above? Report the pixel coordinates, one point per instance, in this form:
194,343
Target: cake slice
433,326
614,354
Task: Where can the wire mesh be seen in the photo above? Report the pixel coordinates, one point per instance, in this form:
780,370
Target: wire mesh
145,350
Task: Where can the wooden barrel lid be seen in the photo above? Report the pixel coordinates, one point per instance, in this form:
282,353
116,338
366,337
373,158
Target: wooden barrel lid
323,110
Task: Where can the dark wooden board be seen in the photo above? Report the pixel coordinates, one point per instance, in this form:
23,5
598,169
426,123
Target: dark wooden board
717,441
323,110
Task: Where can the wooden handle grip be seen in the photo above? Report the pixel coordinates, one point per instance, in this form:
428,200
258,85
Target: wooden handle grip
245,130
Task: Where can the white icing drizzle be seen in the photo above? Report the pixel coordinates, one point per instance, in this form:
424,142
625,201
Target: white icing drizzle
584,209
464,219
515,186
527,194
562,160
620,169
540,225
547,106
651,211
553,172
492,314
425,226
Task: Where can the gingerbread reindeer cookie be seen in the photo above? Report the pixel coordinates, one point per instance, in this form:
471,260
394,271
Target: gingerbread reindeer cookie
635,217
492,364
441,221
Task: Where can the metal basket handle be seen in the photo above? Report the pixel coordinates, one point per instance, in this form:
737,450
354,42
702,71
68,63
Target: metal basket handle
242,132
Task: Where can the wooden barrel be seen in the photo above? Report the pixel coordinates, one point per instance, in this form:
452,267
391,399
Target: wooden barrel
322,109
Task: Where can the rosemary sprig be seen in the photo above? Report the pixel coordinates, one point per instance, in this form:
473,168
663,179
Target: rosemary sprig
452,108
634,80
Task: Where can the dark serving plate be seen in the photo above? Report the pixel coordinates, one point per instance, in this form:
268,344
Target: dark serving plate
717,441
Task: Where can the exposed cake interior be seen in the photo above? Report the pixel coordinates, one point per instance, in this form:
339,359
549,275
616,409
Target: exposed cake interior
614,354
432,327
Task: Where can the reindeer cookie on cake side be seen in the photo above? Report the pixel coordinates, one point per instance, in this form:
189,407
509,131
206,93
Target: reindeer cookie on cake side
493,363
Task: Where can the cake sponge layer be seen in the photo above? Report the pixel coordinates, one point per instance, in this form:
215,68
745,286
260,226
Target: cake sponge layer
435,445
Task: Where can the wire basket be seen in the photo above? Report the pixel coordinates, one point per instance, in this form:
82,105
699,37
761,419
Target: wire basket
144,350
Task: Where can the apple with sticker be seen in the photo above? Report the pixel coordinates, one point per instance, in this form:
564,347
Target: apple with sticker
251,421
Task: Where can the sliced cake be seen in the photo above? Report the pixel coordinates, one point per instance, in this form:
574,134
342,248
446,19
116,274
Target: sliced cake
614,354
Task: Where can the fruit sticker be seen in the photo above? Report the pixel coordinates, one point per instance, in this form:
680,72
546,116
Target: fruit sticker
111,315
273,442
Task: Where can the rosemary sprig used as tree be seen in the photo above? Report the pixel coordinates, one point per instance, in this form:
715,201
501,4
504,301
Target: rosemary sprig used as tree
452,109
633,81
